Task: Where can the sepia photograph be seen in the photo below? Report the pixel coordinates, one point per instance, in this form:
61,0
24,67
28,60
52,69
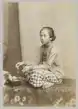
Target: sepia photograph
39,54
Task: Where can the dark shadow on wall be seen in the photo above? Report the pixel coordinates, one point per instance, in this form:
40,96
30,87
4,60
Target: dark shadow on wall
13,53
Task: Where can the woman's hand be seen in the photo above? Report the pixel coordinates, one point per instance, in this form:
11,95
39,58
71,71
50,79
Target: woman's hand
41,66
19,64
27,68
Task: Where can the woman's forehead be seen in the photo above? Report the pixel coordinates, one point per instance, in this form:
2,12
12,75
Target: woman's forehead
45,31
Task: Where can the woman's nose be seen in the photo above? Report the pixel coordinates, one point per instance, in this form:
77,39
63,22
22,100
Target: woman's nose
42,38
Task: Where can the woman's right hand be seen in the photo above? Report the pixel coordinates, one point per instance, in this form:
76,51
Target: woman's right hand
19,64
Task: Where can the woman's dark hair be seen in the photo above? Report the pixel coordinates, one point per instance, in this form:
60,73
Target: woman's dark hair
50,31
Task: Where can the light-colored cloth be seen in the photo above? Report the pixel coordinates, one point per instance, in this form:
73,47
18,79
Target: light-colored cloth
49,55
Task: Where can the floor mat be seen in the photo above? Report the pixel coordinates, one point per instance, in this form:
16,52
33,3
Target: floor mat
25,95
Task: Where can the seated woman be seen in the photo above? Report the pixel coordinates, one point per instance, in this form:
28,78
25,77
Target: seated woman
48,72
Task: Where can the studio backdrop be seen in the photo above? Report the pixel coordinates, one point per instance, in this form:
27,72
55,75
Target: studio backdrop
22,23
62,17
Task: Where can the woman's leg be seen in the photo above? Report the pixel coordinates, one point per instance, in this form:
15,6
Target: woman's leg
51,78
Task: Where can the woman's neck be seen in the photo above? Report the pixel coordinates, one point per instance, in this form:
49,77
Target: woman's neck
48,44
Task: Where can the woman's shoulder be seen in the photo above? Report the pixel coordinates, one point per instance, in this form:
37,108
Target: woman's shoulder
54,48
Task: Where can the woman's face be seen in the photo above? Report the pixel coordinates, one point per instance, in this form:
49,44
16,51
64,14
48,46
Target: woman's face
44,37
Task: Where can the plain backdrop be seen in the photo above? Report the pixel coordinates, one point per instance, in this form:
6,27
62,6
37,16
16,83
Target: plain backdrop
22,23
62,17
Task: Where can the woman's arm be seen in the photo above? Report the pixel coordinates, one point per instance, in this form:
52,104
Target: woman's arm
46,65
41,66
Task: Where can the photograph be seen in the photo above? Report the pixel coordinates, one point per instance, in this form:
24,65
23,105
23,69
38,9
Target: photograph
39,54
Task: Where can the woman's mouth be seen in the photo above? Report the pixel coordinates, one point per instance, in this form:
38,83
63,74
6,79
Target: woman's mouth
42,41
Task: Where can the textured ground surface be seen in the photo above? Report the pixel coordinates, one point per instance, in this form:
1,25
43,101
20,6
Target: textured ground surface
25,95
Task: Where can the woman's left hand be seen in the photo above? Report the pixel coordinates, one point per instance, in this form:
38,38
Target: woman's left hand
27,68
